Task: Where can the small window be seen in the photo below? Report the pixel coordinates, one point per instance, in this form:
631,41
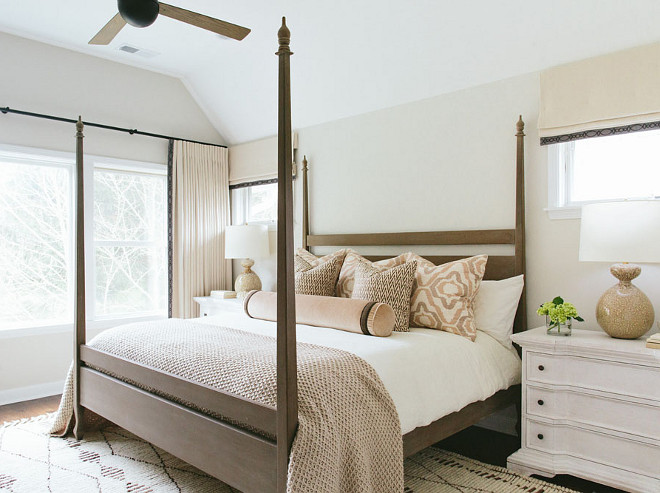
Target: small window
602,169
255,204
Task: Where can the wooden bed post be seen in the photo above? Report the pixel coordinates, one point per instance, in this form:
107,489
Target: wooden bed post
287,392
79,303
521,314
305,204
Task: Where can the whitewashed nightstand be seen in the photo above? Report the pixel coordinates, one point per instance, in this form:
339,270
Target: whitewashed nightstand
209,306
590,408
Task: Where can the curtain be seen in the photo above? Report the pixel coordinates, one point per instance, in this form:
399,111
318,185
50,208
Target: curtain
199,177
611,91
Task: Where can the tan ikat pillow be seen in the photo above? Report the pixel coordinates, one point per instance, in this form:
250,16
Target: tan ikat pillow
392,286
320,280
347,275
443,295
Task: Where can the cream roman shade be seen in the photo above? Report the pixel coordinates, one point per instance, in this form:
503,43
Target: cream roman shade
255,161
614,90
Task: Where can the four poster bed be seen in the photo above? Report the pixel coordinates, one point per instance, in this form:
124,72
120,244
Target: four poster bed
241,441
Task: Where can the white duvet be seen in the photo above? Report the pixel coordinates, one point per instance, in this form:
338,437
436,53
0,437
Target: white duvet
428,373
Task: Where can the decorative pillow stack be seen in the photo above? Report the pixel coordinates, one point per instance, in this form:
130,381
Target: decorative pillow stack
392,286
318,277
422,294
443,295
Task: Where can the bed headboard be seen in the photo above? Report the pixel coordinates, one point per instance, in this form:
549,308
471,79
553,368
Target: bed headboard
498,266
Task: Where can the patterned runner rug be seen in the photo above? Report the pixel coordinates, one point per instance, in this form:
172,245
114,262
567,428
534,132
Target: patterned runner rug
113,460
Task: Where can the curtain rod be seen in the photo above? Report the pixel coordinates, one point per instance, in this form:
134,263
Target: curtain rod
132,131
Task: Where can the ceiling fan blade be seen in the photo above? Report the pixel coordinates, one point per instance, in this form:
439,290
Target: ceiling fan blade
205,22
109,31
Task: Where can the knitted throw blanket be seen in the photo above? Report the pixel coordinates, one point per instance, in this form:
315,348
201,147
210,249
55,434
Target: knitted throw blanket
349,435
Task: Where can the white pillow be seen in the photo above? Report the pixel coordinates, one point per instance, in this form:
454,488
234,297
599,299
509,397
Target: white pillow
495,307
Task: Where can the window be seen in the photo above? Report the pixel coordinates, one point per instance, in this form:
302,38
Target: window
255,204
609,168
35,240
130,244
125,237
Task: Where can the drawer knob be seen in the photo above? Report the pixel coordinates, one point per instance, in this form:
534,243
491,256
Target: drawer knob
540,436
541,367
540,402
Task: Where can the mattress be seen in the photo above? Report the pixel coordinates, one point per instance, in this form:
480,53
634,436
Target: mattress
428,373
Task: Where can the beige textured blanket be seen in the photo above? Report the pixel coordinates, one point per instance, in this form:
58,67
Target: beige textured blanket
349,436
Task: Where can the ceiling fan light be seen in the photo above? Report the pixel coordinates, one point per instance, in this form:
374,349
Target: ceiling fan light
138,13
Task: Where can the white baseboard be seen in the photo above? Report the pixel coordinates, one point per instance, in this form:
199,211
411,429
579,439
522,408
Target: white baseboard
30,392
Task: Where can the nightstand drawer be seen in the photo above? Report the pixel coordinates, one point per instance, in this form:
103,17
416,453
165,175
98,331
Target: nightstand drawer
641,457
609,376
639,418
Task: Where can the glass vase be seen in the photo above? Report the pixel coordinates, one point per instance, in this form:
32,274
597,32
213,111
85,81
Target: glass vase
558,328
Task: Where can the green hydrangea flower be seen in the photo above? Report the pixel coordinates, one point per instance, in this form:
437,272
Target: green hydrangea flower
559,311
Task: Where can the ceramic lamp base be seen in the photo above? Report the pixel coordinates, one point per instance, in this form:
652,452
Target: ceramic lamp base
248,280
624,311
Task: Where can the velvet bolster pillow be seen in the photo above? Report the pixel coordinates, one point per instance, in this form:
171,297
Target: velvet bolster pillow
352,315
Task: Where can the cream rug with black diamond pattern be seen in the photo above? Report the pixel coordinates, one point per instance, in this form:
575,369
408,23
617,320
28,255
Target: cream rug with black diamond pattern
113,460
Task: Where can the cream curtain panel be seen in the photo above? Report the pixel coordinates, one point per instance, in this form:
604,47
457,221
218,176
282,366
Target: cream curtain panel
608,91
200,214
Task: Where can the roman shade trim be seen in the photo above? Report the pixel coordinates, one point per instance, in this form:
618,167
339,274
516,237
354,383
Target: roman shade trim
252,183
603,132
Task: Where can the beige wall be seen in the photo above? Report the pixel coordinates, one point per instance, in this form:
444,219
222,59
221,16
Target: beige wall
449,163
45,79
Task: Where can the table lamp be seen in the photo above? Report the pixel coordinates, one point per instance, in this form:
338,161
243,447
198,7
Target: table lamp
624,232
246,242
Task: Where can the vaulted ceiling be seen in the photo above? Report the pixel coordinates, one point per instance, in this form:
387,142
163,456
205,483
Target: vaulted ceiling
351,56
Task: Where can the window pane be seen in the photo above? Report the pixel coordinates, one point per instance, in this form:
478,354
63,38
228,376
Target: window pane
35,244
130,218
616,167
262,203
129,206
130,280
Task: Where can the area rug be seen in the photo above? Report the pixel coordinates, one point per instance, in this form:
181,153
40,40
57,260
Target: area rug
113,460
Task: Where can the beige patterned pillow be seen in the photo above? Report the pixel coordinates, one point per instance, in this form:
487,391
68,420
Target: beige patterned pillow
318,281
443,295
347,274
392,286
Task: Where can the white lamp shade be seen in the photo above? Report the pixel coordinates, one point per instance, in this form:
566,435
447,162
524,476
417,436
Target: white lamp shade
621,232
247,241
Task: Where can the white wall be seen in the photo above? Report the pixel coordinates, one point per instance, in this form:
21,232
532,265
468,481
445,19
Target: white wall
449,163
44,79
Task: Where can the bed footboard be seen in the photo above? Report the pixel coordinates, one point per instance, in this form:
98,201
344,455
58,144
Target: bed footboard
232,407
242,459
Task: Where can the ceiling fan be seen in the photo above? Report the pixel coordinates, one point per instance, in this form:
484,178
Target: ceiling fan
143,13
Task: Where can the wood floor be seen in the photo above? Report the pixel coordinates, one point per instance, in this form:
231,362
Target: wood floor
478,443
27,409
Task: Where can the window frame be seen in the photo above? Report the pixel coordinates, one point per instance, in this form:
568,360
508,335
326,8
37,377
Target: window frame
47,157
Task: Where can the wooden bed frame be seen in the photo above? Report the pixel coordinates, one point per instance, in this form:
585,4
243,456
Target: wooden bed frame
244,459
